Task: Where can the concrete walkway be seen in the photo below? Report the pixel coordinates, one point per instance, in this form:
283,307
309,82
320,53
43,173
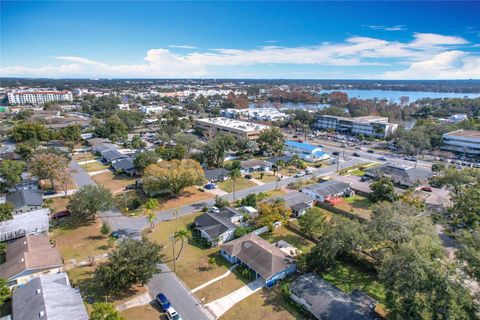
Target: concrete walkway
98,172
206,284
87,161
222,305
136,301
257,182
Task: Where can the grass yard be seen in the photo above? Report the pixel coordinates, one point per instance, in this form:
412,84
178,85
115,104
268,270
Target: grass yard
358,173
79,240
222,287
94,166
114,183
264,304
83,278
192,266
349,277
360,206
293,238
83,156
241,183
275,193
267,177
287,172
58,204
147,312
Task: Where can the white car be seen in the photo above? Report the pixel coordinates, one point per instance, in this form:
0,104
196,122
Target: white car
172,314
214,210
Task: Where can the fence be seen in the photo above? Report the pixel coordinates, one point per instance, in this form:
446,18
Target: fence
340,211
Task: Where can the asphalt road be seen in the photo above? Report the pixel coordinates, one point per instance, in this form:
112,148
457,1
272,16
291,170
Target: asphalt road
80,176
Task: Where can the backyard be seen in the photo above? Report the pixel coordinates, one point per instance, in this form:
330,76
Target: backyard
83,156
290,236
192,266
241,183
114,183
360,206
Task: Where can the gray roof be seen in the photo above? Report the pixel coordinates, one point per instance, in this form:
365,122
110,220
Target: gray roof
103,147
217,173
260,255
124,164
401,174
294,197
254,163
25,197
213,224
112,155
50,294
328,188
327,302
300,206
284,158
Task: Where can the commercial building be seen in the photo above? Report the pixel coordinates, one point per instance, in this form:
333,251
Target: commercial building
38,96
328,189
372,126
237,128
151,109
48,297
404,176
305,151
462,141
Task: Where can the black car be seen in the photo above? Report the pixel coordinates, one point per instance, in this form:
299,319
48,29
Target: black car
49,192
370,151
336,153
355,154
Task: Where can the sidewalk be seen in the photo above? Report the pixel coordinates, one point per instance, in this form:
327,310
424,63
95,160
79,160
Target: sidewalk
206,284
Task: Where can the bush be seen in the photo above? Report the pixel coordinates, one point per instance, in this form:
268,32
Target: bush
246,273
241,231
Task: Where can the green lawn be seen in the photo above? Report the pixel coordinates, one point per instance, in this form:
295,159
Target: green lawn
358,205
94,166
293,238
358,172
266,178
348,277
241,183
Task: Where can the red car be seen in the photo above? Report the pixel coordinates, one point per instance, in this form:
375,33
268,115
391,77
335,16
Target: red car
61,214
428,189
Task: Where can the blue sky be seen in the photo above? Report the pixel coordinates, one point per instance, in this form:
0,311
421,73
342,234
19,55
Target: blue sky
349,40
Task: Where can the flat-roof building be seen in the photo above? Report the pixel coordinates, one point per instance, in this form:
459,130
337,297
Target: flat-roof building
38,96
237,128
372,126
462,141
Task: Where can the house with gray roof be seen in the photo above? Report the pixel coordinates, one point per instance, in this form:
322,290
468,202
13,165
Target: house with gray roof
125,165
25,200
249,166
218,227
48,297
330,188
265,259
401,175
101,147
21,224
111,156
217,174
326,302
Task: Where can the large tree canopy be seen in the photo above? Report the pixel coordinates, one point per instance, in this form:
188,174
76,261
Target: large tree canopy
87,201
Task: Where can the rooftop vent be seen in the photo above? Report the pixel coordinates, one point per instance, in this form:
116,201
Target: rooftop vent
41,314
38,291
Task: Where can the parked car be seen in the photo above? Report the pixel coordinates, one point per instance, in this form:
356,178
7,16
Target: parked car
336,153
61,214
163,302
248,176
382,158
364,178
410,158
427,189
370,151
116,235
355,154
49,192
210,186
214,210
172,314
131,187
300,174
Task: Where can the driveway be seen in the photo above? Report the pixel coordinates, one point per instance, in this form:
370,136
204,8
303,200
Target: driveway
80,176
181,298
222,305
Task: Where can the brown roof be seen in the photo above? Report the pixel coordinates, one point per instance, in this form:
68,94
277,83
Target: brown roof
465,133
260,255
30,252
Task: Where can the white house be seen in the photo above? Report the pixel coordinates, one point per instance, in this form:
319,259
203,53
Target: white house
305,151
151,109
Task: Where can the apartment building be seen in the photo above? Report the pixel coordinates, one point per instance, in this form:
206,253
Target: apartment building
237,128
38,96
462,141
372,126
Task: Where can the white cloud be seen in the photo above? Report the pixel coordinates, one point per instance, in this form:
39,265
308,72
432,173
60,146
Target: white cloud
398,27
182,46
426,56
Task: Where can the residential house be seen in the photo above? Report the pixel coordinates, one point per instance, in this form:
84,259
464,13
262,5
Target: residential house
216,175
96,141
25,200
401,175
218,227
250,166
326,302
101,147
21,224
28,257
265,259
126,166
299,209
48,297
275,160
112,156
328,189
305,151
250,211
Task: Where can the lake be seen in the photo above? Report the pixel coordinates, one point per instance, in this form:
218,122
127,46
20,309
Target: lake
395,95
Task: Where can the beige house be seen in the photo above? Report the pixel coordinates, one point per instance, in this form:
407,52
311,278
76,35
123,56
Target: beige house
29,257
239,129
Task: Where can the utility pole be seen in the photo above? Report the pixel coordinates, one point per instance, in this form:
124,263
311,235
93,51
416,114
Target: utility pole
338,161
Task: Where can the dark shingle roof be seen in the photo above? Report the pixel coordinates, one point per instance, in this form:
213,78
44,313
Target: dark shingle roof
27,197
213,225
327,302
217,173
111,155
260,255
300,206
327,188
274,160
124,164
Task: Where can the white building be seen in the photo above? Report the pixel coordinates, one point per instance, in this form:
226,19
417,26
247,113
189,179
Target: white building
38,96
372,126
462,141
457,118
123,106
237,128
151,109
305,151
21,224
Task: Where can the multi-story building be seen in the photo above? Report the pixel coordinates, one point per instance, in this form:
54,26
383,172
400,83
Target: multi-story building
38,96
462,141
372,126
151,109
237,128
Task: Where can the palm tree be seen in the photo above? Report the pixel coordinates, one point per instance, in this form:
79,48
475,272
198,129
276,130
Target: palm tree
149,206
181,234
234,175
